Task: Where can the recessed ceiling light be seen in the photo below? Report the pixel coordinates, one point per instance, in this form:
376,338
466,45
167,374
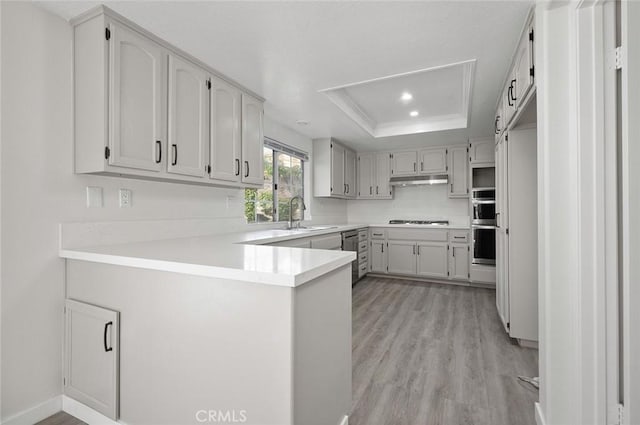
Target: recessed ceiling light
406,96
414,113
302,122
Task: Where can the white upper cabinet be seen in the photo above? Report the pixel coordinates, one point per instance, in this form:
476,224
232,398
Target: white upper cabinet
225,132
252,140
366,175
382,189
338,180
136,106
458,172
188,118
433,161
482,151
145,109
350,166
524,71
403,163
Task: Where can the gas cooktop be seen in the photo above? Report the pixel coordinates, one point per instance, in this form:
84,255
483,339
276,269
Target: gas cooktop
421,222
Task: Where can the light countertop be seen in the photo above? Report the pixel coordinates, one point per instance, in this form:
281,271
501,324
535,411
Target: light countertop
237,256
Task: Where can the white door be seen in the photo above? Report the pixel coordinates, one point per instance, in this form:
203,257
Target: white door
433,160
524,69
225,142
403,163
91,356
366,164
136,124
433,259
459,172
402,257
459,262
382,169
338,181
252,140
378,257
188,118
350,173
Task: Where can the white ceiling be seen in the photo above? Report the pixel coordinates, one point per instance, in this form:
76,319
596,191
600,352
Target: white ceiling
288,51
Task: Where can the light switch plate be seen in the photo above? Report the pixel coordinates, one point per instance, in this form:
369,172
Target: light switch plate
125,198
94,197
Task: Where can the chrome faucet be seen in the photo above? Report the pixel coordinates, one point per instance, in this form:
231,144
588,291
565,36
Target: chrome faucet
304,207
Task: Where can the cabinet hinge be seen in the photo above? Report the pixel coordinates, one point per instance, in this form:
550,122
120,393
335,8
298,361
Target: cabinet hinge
531,35
620,413
619,57
507,230
107,33
209,84
508,325
275,186
107,152
532,71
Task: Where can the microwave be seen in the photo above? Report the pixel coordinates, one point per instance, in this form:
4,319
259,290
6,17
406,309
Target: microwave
484,212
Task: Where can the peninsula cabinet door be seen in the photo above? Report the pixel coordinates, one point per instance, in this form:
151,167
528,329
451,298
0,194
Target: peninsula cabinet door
136,82
225,131
252,141
433,260
91,356
188,118
402,258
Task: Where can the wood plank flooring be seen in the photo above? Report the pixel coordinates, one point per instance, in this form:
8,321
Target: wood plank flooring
433,354
61,418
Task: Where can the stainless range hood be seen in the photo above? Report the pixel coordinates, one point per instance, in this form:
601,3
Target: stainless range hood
418,180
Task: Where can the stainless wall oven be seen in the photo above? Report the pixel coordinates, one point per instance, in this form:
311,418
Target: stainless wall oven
484,244
483,206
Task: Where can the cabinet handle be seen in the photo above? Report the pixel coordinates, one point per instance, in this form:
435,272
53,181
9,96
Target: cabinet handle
237,167
414,250
513,90
104,339
159,151
347,187
376,190
459,237
422,166
247,165
451,187
382,245
414,167
418,249
370,190
453,252
175,154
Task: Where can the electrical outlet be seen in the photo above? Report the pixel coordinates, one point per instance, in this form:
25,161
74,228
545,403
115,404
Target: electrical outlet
125,198
94,197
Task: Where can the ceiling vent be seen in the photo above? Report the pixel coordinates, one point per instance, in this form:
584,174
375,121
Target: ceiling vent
422,101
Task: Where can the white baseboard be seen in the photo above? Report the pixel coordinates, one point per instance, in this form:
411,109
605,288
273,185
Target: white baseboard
345,420
85,413
36,413
528,343
539,416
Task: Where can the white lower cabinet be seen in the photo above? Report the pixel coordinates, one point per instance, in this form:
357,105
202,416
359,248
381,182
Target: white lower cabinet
378,256
459,262
92,356
432,259
401,257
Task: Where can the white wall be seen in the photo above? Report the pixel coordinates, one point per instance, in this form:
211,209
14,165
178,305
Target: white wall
411,202
39,191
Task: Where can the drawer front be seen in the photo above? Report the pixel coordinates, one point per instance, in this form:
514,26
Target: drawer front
459,236
363,235
362,246
377,233
431,235
332,241
363,257
362,269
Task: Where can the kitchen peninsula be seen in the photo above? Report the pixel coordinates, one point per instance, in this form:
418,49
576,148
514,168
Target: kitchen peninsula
211,325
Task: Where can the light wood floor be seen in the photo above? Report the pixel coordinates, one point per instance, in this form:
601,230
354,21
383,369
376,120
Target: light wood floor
61,418
430,354
434,354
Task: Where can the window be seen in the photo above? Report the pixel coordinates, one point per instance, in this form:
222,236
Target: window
281,183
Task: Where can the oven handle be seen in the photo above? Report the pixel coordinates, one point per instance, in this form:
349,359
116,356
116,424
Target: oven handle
481,226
